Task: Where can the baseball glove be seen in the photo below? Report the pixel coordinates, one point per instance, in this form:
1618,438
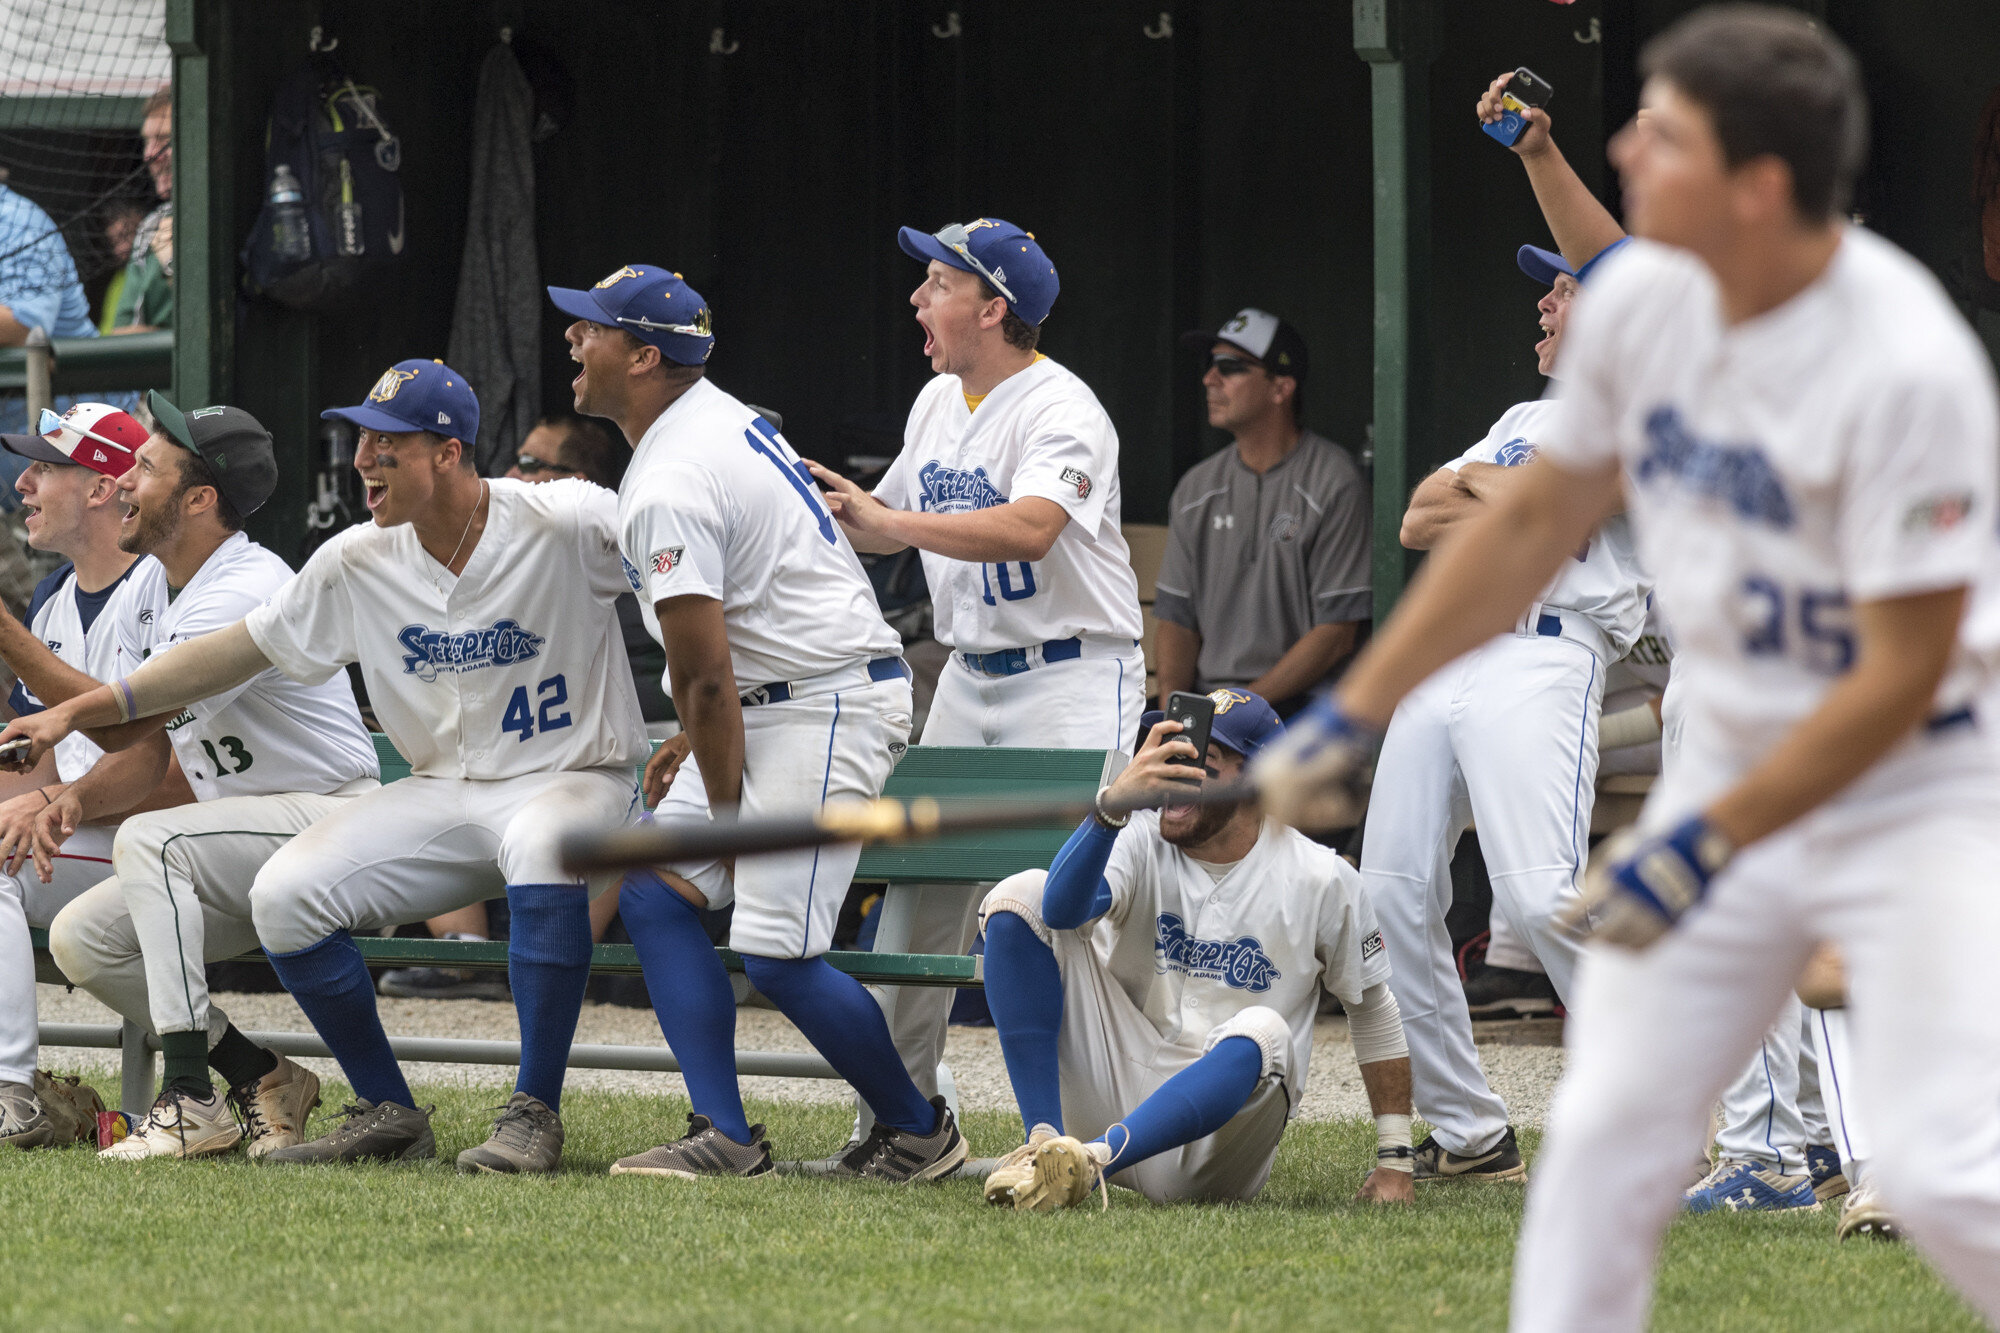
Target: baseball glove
71,1106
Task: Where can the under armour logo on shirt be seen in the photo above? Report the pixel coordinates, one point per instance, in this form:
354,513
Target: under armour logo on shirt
1224,521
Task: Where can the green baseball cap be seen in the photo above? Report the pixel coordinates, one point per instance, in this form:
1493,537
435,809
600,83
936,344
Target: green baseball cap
233,443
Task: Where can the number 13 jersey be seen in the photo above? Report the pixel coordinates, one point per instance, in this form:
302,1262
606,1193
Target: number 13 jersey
514,666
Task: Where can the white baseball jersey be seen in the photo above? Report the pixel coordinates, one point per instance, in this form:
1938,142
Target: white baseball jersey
1039,432
104,634
1839,449
515,666
1285,922
716,504
269,734
1603,580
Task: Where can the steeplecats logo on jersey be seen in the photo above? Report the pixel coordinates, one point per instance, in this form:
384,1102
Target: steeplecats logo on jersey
1078,478
1515,452
950,490
632,575
1240,963
428,652
1737,474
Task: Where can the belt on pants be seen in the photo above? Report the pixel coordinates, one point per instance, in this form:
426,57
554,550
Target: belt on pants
1554,622
1013,661
882,668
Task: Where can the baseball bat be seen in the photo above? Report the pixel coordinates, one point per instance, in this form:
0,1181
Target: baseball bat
882,820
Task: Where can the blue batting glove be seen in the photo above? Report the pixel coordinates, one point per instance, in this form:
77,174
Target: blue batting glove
1316,775
1640,885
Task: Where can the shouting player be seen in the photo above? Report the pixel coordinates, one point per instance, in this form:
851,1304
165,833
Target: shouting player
481,615
1807,433
1155,990
793,692
1008,485
264,761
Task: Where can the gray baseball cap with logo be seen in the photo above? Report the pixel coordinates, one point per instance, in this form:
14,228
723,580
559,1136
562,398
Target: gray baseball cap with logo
1262,336
233,443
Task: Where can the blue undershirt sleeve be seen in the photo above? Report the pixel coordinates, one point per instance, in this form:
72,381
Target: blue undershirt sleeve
1076,891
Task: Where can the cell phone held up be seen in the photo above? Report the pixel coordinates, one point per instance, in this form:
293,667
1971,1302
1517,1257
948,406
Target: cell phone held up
14,754
1524,90
1196,714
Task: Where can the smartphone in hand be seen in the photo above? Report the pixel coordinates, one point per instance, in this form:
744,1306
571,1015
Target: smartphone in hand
1524,90
1196,714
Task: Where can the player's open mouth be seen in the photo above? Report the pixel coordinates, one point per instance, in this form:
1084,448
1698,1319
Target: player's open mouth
930,339
374,492
131,515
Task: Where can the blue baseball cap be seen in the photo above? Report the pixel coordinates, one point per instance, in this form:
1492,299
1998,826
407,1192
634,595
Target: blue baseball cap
652,304
1243,721
1545,265
1008,258
417,395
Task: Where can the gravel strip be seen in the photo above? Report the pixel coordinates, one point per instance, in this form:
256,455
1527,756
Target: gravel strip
1523,1074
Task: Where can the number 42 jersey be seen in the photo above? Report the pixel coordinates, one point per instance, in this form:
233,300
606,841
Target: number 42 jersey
514,666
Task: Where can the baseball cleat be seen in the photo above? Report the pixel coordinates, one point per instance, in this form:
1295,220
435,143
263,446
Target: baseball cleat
1823,1165
1500,1162
1062,1174
1506,992
703,1151
1747,1187
180,1125
1016,1168
388,1132
23,1122
527,1138
900,1157
1865,1215
274,1108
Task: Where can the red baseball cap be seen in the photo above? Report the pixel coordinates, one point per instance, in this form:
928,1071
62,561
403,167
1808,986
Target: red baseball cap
93,435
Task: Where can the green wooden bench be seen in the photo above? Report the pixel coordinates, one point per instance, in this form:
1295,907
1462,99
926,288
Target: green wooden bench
965,863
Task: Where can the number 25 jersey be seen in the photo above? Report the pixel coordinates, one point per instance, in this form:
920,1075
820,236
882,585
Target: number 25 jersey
514,666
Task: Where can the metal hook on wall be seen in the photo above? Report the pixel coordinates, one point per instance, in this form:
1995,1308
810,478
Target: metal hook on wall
947,30
1161,30
717,46
507,35
1596,34
319,41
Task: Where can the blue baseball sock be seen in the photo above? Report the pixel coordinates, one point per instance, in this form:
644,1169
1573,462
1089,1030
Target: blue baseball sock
845,1025
332,985
692,997
1024,991
548,966
1191,1105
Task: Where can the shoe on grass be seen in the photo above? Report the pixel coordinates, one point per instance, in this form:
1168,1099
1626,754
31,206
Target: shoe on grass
180,1124
1433,1161
372,1132
701,1152
900,1157
1017,1168
1061,1174
1506,992
1749,1187
1865,1215
1823,1165
274,1108
527,1138
443,983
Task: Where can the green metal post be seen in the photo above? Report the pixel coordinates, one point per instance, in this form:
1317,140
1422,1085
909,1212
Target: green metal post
204,258
1393,36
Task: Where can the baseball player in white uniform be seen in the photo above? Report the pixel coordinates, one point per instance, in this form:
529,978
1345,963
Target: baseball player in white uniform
1507,736
262,763
1155,990
1008,485
793,692
481,614
84,625
1807,434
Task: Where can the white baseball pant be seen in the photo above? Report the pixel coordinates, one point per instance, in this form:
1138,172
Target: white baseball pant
1086,703
1110,1057
180,899
1505,736
1833,1049
1897,874
1761,1117
25,901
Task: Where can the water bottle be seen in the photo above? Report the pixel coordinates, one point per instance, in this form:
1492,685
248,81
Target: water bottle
290,238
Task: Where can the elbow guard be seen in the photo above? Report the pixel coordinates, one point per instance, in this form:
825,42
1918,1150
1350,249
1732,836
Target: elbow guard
1376,1027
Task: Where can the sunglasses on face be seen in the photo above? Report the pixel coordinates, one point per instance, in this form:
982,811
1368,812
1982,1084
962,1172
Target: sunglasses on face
529,465
1230,366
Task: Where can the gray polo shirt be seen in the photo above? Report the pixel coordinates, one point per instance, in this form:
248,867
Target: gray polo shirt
1253,562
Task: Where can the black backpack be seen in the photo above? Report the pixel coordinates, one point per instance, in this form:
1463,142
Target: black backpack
329,134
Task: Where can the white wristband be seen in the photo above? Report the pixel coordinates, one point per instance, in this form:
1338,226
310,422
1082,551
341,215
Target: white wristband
1392,1143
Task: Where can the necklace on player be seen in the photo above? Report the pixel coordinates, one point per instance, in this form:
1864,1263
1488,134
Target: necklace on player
438,583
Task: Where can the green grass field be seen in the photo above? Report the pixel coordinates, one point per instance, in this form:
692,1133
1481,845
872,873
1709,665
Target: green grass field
224,1244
